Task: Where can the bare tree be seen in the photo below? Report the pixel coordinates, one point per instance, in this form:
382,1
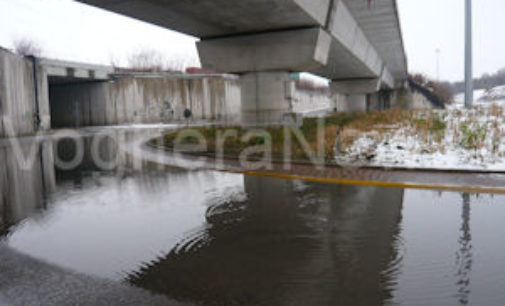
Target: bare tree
26,47
179,62
150,60
114,62
146,61
175,64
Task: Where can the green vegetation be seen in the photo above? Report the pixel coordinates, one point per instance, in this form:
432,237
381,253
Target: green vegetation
473,136
340,130
236,138
433,126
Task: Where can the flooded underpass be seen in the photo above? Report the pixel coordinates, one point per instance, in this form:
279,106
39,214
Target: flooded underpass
150,235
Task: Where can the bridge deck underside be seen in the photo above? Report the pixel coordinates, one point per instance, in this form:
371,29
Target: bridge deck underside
214,18
223,18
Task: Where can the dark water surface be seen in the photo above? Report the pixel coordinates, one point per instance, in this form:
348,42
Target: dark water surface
212,238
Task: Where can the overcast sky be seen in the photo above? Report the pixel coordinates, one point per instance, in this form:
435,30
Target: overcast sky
73,31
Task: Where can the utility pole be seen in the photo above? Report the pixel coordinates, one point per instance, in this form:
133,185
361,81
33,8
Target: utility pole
468,55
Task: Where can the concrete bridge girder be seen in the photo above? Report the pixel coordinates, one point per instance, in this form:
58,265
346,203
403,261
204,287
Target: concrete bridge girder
217,18
353,87
364,86
294,50
340,50
351,55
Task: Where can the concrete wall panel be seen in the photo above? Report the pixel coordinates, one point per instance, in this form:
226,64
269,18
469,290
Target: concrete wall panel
306,102
145,100
17,94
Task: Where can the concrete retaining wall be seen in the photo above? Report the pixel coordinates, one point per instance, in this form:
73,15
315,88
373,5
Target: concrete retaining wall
17,95
419,102
146,100
306,101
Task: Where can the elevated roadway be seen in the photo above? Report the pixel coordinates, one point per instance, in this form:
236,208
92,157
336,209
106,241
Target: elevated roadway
355,43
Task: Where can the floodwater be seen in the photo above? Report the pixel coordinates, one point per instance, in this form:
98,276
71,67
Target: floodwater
211,238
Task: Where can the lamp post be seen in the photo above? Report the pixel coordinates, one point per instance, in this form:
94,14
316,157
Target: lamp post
468,55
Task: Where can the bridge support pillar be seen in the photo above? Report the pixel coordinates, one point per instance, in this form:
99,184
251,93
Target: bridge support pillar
351,103
264,61
357,103
266,97
355,94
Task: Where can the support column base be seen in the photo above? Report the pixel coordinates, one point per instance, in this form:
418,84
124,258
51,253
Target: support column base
267,98
352,103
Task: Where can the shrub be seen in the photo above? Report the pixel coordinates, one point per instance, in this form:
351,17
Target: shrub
473,136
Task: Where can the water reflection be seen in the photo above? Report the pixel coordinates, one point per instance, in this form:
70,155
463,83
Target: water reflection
224,239
24,186
464,257
29,171
289,243
109,226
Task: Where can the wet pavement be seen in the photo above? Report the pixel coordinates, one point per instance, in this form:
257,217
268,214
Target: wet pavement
28,281
139,234
446,180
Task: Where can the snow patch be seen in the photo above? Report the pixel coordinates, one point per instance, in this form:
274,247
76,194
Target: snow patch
472,140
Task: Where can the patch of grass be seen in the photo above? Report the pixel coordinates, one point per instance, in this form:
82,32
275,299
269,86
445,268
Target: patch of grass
380,119
473,136
437,125
495,110
335,125
431,125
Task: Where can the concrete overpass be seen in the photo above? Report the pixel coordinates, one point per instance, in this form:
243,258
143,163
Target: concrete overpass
355,43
